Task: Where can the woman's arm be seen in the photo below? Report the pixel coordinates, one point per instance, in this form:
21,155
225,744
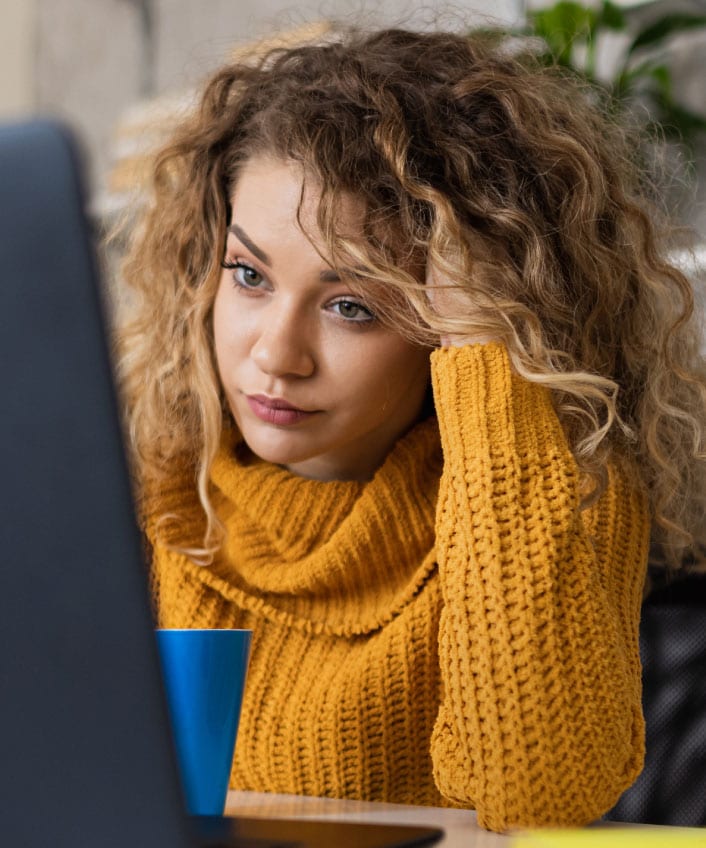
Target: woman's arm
540,719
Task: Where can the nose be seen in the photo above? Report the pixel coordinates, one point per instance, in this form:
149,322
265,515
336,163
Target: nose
283,346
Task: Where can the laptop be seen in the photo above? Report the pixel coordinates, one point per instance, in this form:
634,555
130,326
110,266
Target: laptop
86,756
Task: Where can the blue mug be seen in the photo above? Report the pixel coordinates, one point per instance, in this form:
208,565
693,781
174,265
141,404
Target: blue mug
204,677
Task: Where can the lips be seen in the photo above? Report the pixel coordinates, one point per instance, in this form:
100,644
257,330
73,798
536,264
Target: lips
276,410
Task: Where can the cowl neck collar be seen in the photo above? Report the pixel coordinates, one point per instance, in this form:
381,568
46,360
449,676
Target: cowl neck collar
337,557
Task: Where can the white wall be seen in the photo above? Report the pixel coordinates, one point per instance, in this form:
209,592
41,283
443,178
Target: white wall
17,55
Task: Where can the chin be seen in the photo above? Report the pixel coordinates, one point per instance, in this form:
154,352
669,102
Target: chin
276,451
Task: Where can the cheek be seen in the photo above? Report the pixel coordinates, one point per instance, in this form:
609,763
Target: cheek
410,373
388,368
228,335
220,329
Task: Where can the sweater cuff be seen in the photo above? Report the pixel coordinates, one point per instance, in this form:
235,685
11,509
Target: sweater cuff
483,405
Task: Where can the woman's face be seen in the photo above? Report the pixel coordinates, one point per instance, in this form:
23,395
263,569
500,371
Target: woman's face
314,381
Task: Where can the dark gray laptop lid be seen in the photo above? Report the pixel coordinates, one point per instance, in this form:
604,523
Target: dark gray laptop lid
84,754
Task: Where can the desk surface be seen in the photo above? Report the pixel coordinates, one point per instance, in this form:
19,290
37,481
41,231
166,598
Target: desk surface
459,825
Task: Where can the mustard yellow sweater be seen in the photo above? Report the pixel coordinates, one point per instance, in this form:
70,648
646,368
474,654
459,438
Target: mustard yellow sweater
453,632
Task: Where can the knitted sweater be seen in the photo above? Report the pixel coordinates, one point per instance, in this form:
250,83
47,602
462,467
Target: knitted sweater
455,631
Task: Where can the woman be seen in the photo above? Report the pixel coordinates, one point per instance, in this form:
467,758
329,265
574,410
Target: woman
410,392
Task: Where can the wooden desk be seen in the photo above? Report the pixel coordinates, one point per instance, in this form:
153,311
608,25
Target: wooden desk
459,825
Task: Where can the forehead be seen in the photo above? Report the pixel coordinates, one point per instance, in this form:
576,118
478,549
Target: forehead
263,179
266,184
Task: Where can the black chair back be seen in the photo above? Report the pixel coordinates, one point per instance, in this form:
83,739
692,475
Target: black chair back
672,788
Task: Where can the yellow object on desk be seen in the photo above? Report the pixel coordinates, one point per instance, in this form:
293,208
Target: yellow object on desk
613,837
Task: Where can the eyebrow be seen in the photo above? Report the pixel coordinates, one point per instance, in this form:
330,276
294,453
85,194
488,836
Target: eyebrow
327,276
239,233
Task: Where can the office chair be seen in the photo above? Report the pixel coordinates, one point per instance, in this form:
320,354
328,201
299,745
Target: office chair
672,788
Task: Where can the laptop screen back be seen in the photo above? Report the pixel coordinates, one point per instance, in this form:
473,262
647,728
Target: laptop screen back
84,751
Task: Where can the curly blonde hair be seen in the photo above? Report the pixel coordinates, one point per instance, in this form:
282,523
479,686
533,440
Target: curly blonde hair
507,177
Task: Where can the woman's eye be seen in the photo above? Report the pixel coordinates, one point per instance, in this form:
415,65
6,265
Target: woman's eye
351,310
244,275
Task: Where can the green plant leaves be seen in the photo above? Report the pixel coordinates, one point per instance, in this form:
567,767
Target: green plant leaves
660,30
571,30
562,25
568,24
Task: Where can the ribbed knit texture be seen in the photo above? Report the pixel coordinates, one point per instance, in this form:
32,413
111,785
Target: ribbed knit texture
454,632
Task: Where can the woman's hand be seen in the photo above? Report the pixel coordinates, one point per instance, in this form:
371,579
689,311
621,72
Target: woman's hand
450,300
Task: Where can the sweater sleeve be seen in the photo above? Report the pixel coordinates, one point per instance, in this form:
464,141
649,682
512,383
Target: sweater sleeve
540,721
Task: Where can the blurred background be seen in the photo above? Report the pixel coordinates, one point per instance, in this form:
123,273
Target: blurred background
121,70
